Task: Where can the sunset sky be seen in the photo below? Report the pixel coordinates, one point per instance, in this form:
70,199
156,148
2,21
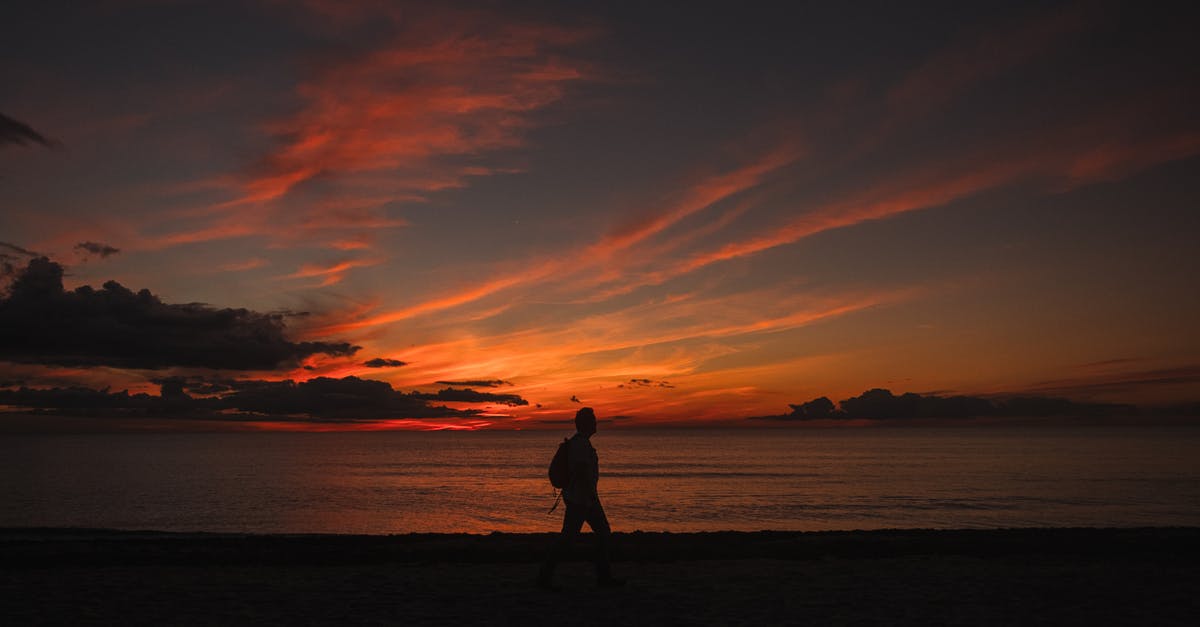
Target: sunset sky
671,214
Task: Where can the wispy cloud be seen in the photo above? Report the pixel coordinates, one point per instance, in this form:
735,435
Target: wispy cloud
1066,157
1119,381
405,114
697,195
242,266
330,273
19,133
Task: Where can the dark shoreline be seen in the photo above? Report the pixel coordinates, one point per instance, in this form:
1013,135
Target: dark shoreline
1133,576
34,547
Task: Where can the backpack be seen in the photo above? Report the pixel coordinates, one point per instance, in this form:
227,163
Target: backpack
560,469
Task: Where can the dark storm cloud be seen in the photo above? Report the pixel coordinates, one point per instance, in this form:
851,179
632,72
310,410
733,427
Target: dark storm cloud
40,323
322,399
816,409
476,383
96,248
83,400
455,395
881,404
380,362
198,385
17,132
646,383
349,398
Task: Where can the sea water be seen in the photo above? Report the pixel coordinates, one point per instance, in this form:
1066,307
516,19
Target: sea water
652,480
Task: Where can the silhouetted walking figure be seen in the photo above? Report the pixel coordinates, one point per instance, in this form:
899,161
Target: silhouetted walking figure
582,505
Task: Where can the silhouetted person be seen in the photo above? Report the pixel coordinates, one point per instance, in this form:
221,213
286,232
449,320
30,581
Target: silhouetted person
582,505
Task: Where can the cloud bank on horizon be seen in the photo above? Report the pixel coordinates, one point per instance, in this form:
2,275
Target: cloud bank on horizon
673,216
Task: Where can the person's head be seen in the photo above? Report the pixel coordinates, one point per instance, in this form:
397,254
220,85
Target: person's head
585,421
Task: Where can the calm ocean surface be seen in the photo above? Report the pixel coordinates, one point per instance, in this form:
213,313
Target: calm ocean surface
680,480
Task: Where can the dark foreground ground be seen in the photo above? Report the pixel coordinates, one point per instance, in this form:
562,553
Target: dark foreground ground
907,577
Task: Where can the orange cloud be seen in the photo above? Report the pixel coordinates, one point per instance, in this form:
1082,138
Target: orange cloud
357,242
437,304
226,228
1098,148
241,266
332,272
400,118
469,82
668,339
699,195
936,81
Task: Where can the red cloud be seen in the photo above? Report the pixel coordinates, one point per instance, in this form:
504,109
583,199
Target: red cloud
332,272
697,196
442,86
700,195
407,114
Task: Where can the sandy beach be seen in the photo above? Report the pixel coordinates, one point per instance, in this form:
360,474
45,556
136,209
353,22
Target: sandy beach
903,577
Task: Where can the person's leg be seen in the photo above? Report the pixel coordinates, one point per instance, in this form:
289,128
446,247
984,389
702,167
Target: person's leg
598,521
573,519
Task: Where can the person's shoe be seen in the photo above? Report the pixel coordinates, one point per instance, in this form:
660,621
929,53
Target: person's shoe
610,582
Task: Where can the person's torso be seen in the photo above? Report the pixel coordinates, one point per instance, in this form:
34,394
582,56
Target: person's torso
582,451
